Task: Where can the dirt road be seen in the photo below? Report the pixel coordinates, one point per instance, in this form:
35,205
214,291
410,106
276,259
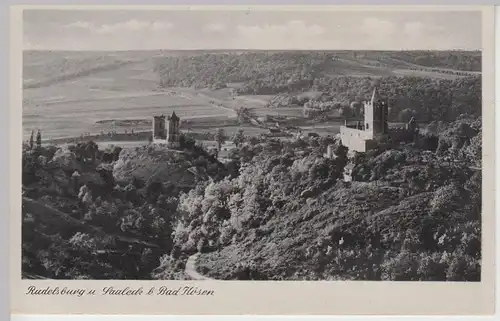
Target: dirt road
190,268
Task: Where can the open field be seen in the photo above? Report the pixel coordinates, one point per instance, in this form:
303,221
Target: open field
73,107
423,73
389,67
71,118
348,67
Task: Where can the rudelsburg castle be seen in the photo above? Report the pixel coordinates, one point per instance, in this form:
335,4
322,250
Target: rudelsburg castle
361,137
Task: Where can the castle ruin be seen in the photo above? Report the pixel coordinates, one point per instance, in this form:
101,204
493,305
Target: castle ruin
361,137
166,130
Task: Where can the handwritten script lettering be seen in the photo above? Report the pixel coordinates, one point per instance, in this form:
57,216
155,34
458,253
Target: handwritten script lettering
119,291
33,290
125,291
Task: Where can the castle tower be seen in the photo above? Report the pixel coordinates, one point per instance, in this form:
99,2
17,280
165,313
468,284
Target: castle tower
159,133
173,131
376,113
39,139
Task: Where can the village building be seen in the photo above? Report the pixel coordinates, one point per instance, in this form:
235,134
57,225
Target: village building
166,130
348,172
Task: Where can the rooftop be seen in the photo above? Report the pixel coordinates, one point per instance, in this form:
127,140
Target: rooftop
173,116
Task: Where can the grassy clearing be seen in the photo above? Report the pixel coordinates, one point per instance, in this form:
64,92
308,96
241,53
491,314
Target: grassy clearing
385,67
348,67
282,111
423,73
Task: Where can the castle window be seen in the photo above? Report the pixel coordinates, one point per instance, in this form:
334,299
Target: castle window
367,126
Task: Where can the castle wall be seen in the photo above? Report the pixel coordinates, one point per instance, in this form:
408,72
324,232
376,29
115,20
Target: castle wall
160,141
356,140
402,134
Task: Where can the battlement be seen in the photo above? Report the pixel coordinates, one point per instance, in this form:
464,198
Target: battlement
398,130
355,125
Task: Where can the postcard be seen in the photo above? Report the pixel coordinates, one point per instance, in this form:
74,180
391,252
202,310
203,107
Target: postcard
296,160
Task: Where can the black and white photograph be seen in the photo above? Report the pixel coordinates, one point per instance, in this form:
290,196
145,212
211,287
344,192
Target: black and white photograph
252,145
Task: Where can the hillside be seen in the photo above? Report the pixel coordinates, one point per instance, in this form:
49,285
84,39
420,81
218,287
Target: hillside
279,210
275,72
111,211
41,69
432,91
410,214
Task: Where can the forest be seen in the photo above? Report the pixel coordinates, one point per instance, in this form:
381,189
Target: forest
426,98
105,214
294,73
410,214
273,72
279,210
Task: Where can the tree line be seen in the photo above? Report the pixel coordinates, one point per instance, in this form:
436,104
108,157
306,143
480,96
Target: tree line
292,73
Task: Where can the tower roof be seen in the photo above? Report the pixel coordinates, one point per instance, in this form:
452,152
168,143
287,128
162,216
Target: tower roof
373,95
173,116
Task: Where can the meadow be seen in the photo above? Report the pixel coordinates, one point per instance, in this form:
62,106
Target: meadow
70,108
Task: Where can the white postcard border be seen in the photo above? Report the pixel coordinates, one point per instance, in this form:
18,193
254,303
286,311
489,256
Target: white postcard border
238,297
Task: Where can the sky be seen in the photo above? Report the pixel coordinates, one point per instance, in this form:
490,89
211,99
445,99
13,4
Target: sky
238,29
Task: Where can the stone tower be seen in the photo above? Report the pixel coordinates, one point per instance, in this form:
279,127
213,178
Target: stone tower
159,132
173,131
376,113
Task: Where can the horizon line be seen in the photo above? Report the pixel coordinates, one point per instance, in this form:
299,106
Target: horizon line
248,50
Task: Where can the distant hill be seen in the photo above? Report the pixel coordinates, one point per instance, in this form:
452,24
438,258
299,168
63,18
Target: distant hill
42,68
